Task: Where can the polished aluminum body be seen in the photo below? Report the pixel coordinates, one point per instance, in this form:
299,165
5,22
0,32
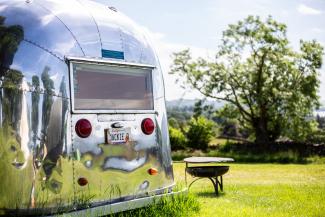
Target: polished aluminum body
41,157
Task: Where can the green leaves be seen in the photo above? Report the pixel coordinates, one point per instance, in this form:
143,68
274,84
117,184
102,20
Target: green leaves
200,132
273,86
10,38
312,53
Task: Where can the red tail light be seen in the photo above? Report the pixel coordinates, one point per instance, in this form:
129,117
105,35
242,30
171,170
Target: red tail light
147,126
82,181
83,128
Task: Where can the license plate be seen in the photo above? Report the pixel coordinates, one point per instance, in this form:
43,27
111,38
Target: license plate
118,135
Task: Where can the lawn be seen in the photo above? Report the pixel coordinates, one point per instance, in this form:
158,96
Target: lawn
280,190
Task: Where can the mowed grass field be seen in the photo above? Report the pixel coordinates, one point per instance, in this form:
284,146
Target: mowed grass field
279,190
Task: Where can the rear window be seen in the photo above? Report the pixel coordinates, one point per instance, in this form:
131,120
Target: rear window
107,87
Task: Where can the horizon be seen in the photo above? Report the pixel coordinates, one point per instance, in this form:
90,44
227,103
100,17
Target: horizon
321,108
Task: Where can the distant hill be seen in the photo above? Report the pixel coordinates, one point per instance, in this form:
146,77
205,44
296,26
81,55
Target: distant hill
190,103
180,103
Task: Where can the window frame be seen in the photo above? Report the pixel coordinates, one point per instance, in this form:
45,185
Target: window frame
75,60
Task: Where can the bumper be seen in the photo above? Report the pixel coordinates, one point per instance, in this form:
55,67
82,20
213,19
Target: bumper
122,206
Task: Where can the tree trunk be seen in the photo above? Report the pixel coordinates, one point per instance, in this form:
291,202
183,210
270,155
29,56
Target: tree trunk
261,131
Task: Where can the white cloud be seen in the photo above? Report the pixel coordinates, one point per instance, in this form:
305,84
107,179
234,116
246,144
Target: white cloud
165,50
284,12
3,7
306,10
318,30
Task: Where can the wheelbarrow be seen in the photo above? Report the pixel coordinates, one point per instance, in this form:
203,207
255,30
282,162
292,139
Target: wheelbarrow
213,173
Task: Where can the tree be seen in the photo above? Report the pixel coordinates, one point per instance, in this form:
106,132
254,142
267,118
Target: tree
10,38
273,87
200,132
321,121
198,109
177,139
229,118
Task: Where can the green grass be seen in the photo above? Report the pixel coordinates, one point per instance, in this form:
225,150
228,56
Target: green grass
263,190
181,205
250,190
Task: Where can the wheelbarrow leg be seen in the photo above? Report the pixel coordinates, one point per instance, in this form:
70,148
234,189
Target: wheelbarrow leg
216,187
215,184
186,175
221,183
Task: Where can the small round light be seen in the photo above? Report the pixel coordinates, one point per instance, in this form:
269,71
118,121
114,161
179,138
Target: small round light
83,128
147,126
82,181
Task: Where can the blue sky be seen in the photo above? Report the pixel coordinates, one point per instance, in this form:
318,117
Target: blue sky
198,25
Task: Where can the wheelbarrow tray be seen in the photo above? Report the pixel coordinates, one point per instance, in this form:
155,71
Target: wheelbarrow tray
207,171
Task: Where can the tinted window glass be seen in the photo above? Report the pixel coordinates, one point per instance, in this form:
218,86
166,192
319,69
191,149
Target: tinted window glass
102,87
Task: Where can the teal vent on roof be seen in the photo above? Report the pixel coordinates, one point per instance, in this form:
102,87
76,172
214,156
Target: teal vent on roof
113,54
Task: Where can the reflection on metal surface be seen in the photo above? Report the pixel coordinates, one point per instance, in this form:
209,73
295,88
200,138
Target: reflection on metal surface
88,164
119,163
29,126
123,164
116,125
24,129
144,185
42,158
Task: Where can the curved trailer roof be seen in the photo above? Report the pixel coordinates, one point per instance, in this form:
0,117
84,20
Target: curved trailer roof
79,28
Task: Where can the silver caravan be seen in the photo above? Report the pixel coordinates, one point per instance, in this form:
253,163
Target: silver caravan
83,122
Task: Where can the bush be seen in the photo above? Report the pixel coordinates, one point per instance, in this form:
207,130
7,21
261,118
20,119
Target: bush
200,132
317,137
172,122
301,149
177,139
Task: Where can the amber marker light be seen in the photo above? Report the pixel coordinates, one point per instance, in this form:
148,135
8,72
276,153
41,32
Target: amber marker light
152,171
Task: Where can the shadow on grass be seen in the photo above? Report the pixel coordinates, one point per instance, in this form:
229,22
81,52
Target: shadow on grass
208,194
